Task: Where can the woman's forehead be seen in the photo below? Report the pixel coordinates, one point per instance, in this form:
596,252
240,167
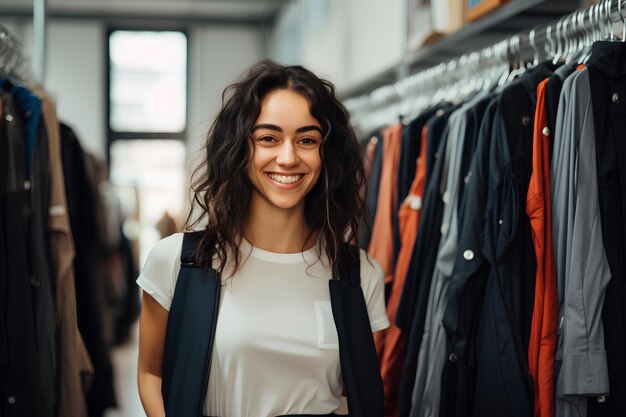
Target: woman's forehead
287,109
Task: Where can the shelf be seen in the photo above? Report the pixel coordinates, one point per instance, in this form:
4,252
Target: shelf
514,17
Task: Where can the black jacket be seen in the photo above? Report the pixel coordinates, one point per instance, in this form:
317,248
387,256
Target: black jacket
607,80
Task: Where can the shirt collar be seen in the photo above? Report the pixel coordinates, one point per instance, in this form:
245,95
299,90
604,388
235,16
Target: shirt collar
609,57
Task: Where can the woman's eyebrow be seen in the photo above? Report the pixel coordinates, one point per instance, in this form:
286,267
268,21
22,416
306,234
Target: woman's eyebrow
267,126
307,128
279,129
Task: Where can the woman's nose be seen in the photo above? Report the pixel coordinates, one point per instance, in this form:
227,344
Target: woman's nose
287,155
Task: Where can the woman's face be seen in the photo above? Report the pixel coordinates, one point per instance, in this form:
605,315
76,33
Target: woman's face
286,161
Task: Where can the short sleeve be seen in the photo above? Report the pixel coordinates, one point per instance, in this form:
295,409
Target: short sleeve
373,286
160,272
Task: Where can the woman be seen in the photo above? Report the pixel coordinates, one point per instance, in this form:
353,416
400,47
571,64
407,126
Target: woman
279,190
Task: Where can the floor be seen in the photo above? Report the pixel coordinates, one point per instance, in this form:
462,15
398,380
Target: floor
124,360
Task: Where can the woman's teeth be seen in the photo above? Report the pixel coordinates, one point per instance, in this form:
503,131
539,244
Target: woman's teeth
285,179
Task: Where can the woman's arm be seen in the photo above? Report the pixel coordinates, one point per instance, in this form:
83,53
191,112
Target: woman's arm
151,341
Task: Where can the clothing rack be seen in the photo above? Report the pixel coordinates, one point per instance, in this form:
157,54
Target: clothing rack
498,62
39,36
13,60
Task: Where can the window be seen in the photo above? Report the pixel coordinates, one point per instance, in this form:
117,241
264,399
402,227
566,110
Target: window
148,82
147,107
149,177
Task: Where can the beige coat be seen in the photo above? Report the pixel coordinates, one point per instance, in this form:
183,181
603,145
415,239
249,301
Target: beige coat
75,368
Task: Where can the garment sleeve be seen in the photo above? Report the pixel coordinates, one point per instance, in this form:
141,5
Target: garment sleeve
585,368
160,272
373,286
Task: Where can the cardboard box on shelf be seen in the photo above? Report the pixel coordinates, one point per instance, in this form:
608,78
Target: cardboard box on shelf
430,19
475,9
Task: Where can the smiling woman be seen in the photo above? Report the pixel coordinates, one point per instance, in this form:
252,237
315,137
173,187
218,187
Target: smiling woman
273,311
286,162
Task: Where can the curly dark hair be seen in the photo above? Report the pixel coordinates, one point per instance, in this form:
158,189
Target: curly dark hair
221,187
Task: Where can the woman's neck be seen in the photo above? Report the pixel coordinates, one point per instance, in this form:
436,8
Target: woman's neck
279,231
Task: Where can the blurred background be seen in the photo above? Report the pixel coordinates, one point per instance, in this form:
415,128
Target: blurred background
137,83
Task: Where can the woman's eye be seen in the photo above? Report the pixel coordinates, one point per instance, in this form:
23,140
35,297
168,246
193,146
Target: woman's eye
308,141
267,139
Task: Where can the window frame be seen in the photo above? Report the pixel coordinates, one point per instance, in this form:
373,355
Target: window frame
113,135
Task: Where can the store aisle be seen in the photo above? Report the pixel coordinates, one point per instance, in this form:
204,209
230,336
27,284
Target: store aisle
124,360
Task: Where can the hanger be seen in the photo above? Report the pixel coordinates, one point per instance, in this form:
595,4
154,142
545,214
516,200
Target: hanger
533,45
516,61
569,40
621,18
558,54
574,45
602,21
609,19
587,36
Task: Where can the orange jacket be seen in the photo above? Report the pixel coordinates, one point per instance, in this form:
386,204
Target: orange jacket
381,243
545,312
390,342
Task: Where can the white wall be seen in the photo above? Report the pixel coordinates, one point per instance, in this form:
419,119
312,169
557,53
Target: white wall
348,41
375,39
75,75
219,56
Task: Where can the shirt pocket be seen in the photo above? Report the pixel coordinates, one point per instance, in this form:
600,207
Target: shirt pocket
326,330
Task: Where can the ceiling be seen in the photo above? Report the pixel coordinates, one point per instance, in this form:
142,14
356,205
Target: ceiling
226,11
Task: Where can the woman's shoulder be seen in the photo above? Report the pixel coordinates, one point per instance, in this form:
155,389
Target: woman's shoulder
167,248
371,271
159,273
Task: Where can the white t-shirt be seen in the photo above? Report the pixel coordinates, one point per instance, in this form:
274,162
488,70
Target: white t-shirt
276,350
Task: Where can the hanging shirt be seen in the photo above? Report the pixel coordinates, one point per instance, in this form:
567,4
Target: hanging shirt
411,313
586,273
276,349
374,168
467,282
390,342
503,384
432,353
381,243
29,106
607,82
544,321
407,165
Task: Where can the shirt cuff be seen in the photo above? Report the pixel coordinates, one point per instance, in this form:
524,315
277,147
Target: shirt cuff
379,324
585,374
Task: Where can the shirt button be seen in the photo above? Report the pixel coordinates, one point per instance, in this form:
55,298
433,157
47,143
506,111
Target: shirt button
374,140
600,399
446,197
440,112
27,185
11,400
8,118
35,282
444,228
525,120
615,98
468,255
453,358
416,203
500,221
546,131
